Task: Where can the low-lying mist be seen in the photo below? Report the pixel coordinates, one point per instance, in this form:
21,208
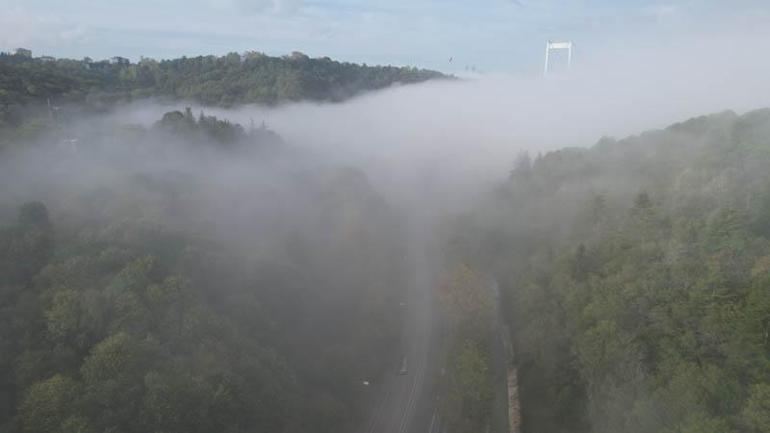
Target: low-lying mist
287,249
201,249
460,133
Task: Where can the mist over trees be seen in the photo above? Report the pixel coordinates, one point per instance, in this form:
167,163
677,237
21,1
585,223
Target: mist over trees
191,273
194,275
635,278
41,94
467,391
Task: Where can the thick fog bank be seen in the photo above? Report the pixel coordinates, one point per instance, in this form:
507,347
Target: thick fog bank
459,133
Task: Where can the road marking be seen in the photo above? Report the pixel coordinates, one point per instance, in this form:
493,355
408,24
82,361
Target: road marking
417,383
377,416
418,320
405,415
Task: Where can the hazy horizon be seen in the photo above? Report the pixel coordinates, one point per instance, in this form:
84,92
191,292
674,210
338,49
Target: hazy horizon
258,244
491,36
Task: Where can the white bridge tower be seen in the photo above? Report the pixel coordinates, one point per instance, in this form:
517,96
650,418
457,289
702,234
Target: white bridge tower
557,46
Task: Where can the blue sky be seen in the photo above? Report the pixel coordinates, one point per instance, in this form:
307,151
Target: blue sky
492,35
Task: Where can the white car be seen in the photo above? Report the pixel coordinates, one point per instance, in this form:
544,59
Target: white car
403,369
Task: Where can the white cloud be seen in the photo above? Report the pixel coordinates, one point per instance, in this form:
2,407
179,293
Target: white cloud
280,7
496,35
661,10
17,27
20,27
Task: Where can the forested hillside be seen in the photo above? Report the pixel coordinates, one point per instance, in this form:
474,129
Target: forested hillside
190,276
227,80
636,279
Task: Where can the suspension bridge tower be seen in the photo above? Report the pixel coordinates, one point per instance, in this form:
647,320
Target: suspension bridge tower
557,46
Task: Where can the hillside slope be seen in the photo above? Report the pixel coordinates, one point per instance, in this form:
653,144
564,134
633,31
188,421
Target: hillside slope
212,80
636,275
191,276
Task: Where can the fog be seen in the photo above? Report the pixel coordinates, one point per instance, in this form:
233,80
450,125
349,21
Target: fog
472,128
323,234
428,150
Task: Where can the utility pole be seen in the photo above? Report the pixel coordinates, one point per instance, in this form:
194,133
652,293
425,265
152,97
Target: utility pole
52,109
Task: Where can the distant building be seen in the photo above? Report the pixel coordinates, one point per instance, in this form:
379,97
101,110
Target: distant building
122,61
23,52
47,59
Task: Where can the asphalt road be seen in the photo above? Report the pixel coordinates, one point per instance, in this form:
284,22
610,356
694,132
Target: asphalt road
501,357
407,403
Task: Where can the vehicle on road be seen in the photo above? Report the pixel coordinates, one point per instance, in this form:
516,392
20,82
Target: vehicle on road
403,370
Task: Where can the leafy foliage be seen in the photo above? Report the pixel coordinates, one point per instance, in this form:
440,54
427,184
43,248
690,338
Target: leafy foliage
122,309
635,275
227,80
467,388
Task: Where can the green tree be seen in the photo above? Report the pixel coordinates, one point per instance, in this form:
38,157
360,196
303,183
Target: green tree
48,406
756,413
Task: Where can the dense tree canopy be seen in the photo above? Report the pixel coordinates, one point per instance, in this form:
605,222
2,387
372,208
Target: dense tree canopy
466,388
227,80
636,279
172,296
37,94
